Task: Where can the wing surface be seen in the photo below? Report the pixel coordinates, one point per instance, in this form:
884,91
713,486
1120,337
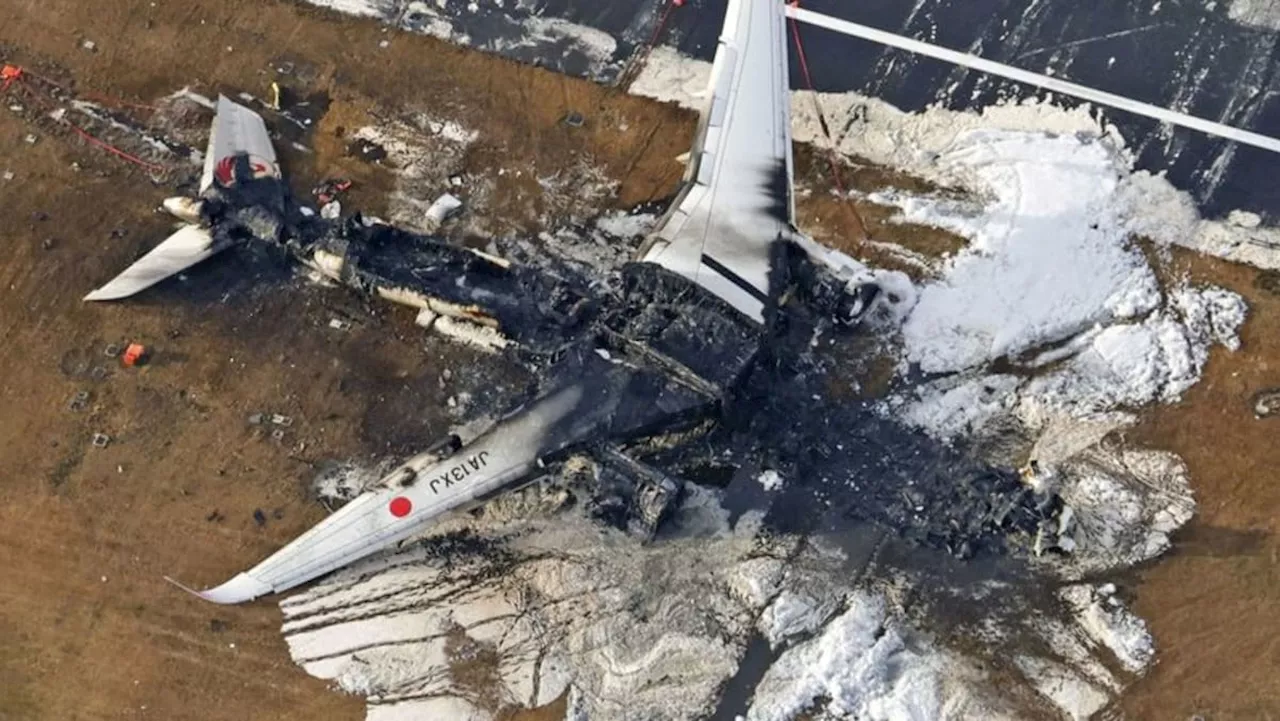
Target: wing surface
186,247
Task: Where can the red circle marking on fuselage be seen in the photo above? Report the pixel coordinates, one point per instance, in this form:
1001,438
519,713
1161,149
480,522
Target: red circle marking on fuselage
401,506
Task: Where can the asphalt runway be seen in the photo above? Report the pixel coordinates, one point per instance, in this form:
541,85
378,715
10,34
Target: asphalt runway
1187,55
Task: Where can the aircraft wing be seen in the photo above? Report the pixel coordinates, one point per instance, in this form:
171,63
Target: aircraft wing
188,246
236,130
421,489
737,199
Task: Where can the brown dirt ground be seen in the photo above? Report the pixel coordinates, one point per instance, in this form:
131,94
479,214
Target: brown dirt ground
88,627
76,647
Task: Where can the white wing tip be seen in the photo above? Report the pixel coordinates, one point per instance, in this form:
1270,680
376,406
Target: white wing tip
238,590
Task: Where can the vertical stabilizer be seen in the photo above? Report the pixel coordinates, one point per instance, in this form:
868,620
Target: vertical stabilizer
737,199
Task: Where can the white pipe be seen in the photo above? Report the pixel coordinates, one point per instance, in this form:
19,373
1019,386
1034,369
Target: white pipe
1036,79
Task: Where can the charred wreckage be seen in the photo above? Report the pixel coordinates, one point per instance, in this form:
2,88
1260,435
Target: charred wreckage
713,349
652,373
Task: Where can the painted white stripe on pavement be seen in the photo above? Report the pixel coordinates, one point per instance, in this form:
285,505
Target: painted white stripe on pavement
1041,81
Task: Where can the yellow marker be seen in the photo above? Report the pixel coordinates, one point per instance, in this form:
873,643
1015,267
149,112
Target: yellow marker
275,96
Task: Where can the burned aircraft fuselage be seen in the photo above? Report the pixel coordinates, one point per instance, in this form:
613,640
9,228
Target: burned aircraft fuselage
649,356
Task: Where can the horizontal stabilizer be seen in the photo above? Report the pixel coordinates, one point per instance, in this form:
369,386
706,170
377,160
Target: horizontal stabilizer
188,246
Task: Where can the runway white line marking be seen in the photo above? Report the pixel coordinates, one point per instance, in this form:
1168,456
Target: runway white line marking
1083,92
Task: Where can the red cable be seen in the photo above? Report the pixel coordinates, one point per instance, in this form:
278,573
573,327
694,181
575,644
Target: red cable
653,39
113,149
95,141
822,121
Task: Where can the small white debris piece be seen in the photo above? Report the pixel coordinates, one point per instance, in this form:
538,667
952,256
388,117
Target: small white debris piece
456,181
604,354
306,211
426,317
8,175
339,324
384,43
483,337
444,207
104,579
770,479
280,420
31,139
18,108
331,210
1244,219
89,45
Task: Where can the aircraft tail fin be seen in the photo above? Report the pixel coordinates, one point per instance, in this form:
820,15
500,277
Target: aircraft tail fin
236,131
737,198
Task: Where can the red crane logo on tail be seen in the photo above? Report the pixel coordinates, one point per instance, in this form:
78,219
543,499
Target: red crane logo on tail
225,171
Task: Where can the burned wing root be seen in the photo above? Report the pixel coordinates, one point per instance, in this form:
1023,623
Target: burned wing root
531,308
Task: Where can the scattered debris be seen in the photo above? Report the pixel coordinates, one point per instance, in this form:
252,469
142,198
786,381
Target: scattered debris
135,354
214,516
331,211
31,139
574,119
770,479
79,401
1266,402
89,45
367,150
259,517
112,350
330,189
256,419
446,206
101,440
280,420
47,244
278,434
339,324
8,175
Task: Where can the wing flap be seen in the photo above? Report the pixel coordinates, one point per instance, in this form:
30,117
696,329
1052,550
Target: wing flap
186,247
